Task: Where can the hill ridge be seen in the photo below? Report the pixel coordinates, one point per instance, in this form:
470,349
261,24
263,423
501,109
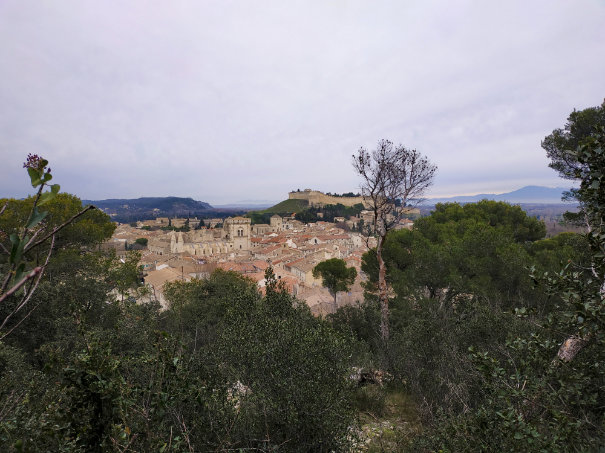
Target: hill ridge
526,194
142,208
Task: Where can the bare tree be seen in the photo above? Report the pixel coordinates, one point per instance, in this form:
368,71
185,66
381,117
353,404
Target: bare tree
394,179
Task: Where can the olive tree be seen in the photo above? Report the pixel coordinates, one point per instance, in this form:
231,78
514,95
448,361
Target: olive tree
393,179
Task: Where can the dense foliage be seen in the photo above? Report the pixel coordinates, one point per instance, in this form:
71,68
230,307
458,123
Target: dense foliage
99,367
496,339
496,332
547,392
561,144
328,212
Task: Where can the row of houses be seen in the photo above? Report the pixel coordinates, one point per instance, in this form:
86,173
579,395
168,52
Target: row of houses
290,247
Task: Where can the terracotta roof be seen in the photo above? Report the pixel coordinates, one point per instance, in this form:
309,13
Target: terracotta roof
158,278
230,266
261,264
331,237
291,263
268,249
257,276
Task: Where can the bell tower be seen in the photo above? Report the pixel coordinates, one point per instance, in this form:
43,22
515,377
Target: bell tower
237,230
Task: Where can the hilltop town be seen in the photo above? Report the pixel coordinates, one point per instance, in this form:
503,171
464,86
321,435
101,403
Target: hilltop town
188,248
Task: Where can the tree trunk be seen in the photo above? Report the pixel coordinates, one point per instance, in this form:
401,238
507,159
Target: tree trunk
382,292
335,304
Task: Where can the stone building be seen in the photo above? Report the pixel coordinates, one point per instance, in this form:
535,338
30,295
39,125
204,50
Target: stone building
277,223
237,231
232,238
261,228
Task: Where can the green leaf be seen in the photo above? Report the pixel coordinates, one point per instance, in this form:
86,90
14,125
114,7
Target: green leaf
15,242
34,175
47,177
46,197
17,249
36,218
19,272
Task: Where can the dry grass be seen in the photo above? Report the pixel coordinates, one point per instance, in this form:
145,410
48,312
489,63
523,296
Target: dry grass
387,421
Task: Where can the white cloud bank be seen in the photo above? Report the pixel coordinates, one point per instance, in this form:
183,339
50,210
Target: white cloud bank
225,101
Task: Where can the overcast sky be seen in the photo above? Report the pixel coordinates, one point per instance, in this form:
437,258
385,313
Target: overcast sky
226,101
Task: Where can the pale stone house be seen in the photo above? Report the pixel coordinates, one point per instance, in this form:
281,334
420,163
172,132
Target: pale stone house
277,223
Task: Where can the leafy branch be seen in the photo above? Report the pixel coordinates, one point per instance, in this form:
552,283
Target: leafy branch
29,236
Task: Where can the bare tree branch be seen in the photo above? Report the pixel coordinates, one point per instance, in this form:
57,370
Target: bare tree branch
393,179
33,273
20,321
39,273
28,247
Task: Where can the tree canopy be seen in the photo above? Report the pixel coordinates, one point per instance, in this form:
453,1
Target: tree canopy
561,144
335,275
480,249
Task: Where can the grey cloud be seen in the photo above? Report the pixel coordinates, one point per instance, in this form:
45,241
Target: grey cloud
226,101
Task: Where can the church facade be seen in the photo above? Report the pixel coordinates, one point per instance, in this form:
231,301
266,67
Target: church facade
233,237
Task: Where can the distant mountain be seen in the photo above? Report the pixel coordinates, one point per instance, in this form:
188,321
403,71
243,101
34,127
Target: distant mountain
128,210
527,194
